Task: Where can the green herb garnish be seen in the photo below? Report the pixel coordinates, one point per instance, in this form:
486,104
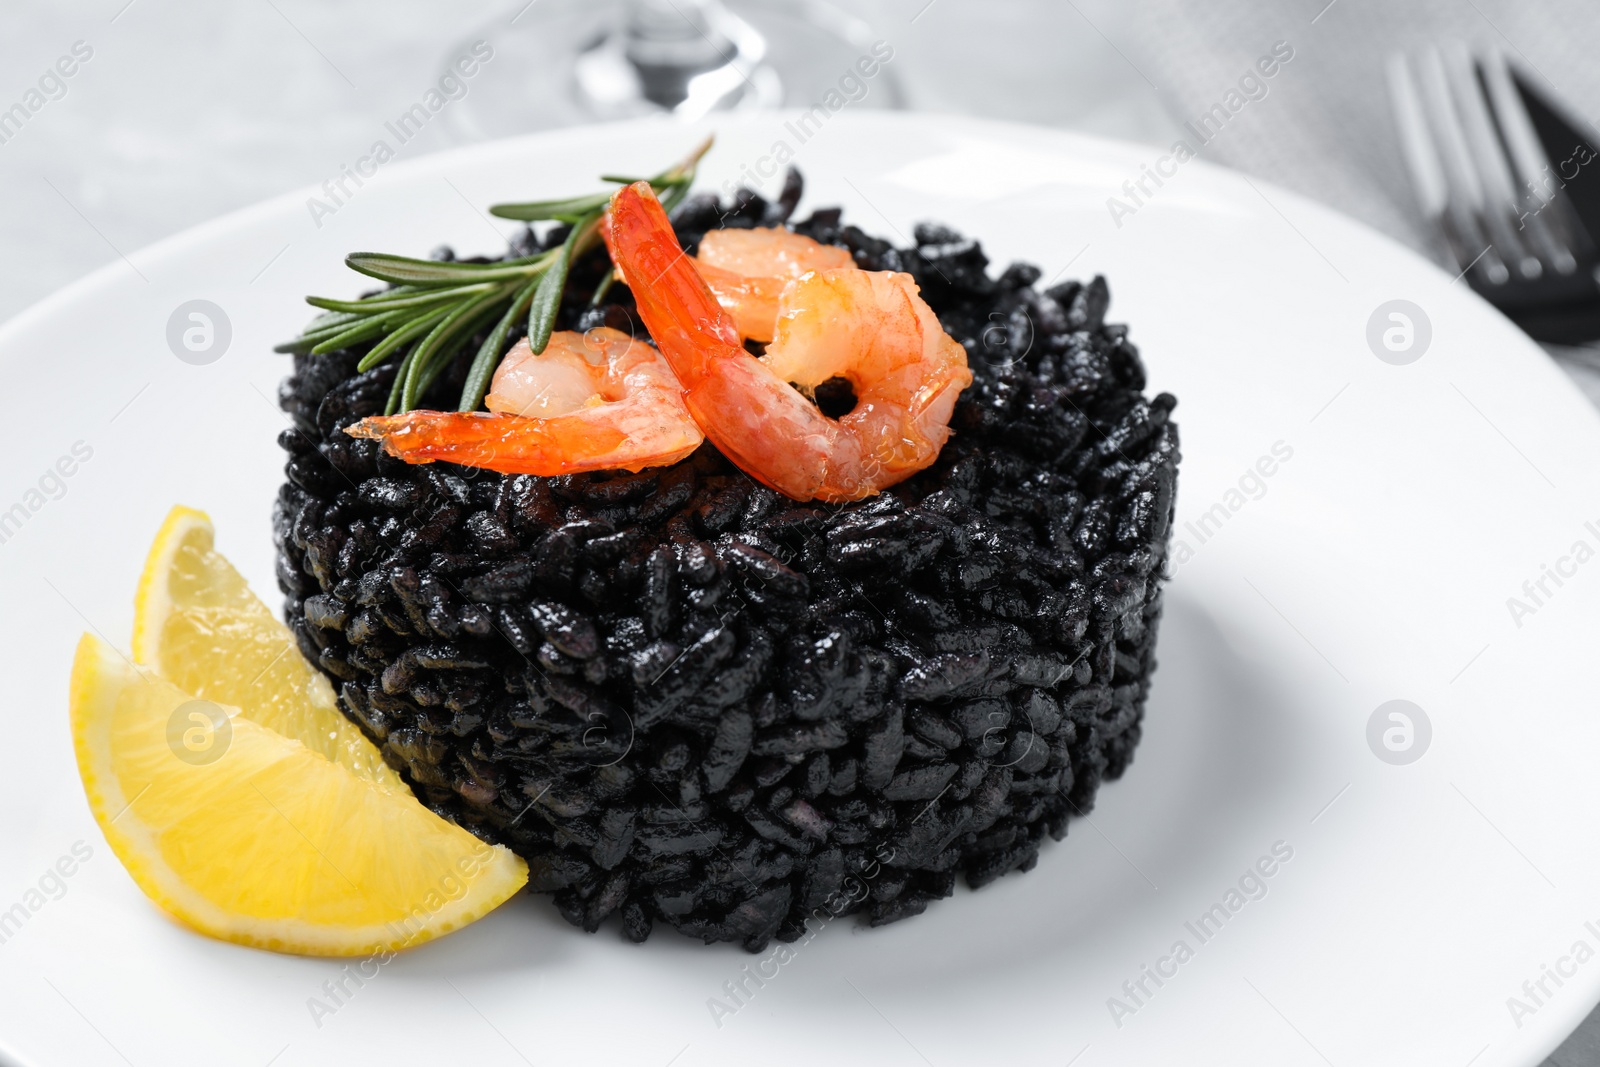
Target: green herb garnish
433,308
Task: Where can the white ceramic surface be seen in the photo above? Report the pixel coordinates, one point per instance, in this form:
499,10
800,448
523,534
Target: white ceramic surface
1374,564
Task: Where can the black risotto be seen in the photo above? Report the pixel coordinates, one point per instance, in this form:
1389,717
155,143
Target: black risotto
686,699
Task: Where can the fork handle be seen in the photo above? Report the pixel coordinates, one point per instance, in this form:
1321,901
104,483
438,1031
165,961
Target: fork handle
1563,324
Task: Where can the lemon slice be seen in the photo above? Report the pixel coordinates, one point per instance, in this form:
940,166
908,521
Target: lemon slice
250,836
199,625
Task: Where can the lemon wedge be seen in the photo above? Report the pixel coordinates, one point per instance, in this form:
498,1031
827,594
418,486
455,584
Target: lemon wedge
197,623
242,802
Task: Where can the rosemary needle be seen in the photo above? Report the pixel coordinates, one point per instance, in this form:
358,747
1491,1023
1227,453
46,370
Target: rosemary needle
433,309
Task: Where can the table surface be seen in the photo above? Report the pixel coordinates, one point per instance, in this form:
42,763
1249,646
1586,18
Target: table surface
186,111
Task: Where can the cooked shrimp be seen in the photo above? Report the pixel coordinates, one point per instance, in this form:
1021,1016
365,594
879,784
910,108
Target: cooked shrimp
869,327
747,270
593,401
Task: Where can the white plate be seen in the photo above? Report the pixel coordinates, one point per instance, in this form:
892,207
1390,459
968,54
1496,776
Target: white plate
1374,565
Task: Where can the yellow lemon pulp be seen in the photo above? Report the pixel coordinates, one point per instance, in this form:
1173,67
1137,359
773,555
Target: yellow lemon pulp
199,625
276,824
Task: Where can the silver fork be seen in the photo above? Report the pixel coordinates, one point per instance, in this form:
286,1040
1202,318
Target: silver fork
1482,176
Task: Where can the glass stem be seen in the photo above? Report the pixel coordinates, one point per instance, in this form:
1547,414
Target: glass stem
670,41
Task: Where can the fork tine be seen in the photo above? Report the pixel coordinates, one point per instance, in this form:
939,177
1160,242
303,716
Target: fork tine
1498,208
1522,143
1422,159
1470,132
1428,179
1529,161
1461,175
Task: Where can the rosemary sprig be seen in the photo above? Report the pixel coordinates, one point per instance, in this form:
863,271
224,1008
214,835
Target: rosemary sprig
432,309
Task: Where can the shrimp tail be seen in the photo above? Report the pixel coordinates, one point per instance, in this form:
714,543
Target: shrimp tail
509,444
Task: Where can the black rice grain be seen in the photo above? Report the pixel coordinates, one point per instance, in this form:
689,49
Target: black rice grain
689,701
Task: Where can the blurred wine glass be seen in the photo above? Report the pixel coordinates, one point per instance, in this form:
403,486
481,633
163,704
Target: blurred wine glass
567,62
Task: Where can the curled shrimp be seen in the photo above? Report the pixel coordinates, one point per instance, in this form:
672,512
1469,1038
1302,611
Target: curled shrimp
593,401
869,327
747,270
